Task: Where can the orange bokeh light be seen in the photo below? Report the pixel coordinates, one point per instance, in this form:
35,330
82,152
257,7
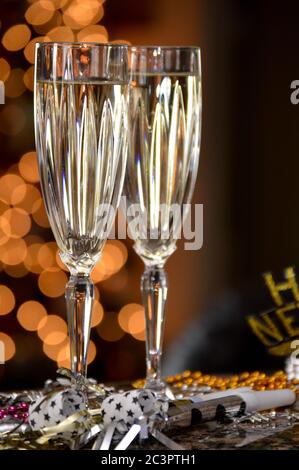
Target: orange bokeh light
52,281
93,33
63,356
52,351
4,230
28,203
130,313
12,189
7,300
28,78
14,86
14,251
16,37
40,12
19,222
29,51
61,34
97,313
109,328
39,214
79,14
4,69
28,167
30,314
47,255
7,346
31,260
52,329
17,271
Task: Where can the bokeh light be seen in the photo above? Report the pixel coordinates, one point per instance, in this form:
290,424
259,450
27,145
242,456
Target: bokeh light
31,259
28,78
8,346
97,313
109,328
52,281
129,312
14,86
93,33
63,356
28,202
28,167
61,34
16,37
12,189
29,51
39,214
47,255
7,300
82,13
40,12
52,329
4,69
30,314
19,222
13,252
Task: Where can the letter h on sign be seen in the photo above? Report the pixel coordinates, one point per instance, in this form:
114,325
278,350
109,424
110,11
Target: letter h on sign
289,284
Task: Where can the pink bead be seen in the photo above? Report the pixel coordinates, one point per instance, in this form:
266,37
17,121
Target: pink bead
16,416
11,409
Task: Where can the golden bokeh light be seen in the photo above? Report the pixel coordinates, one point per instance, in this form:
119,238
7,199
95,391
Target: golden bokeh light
52,351
14,86
29,51
16,37
139,336
47,255
40,12
28,78
52,329
31,196
12,120
61,34
7,300
17,271
63,356
52,281
14,251
4,69
136,323
82,13
19,222
28,167
31,260
93,33
30,314
96,293
130,315
97,313
109,329
57,3
39,214
9,347
4,230
12,189
60,263
114,257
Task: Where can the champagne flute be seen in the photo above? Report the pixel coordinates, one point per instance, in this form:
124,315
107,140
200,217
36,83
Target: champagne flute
81,105
165,119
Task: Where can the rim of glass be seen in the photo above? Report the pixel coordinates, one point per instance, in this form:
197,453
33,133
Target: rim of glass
68,43
157,46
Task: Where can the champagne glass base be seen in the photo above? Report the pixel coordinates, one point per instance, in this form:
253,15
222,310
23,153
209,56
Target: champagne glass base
157,386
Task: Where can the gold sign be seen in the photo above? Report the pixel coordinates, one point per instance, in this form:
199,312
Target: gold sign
278,327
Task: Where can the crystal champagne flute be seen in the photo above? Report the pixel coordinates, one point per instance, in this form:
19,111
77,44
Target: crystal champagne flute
165,120
81,105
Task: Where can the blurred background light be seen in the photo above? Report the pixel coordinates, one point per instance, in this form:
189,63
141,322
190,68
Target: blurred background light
30,314
7,300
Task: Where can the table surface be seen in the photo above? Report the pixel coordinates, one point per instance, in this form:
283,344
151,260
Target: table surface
280,434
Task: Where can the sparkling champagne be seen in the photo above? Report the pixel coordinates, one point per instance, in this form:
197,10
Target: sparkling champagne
82,145
165,117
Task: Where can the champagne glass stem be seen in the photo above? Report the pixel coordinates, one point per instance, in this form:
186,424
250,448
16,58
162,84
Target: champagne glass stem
154,293
79,301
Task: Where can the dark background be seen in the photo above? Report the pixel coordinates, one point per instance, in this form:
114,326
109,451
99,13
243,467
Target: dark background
248,183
